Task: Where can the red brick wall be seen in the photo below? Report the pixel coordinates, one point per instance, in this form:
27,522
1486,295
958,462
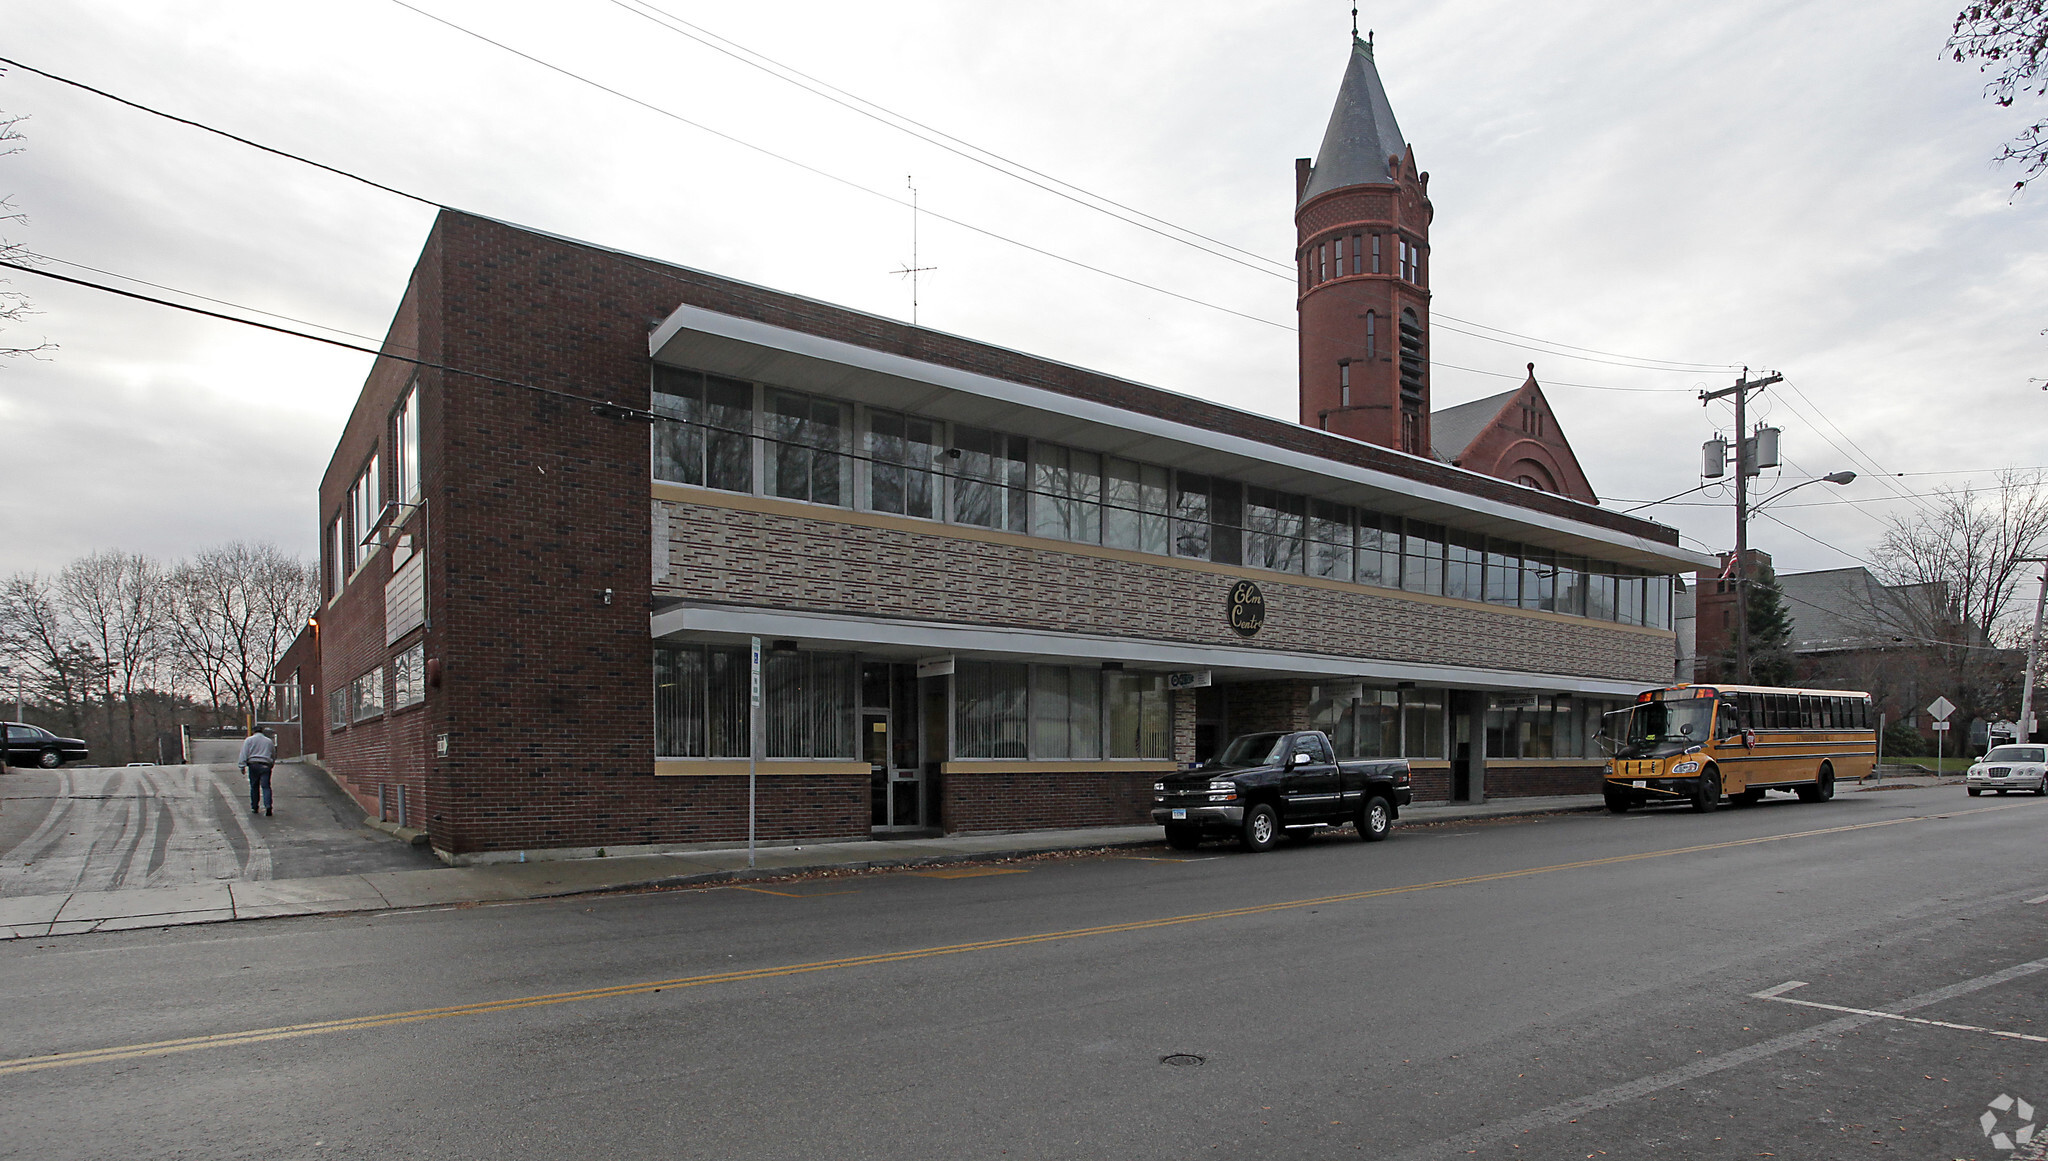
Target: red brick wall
1002,802
1332,313
1432,785
1506,780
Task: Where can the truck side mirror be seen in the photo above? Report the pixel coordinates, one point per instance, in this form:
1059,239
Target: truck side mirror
1300,760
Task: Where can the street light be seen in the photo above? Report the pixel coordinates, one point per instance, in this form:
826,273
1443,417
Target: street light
1743,510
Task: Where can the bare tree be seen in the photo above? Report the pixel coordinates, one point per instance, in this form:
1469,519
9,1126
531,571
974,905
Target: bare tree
14,305
237,609
1953,574
1971,548
2009,40
35,638
115,604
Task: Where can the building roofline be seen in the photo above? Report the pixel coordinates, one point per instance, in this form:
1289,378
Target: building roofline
921,345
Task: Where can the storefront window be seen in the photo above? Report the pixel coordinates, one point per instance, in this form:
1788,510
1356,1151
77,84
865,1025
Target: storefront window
700,702
1383,723
807,704
1138,715
1422,723
989,704
1066,712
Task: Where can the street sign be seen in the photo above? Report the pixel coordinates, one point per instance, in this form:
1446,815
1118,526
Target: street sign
1941,708
1941,725
755,665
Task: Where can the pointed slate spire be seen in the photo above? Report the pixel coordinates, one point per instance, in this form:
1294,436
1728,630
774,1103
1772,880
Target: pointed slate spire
1362,132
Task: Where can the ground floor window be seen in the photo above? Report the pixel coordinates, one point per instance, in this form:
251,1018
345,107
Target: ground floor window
808,704
366,695
700,701
1137,715
1058,712
1541,725
1383,723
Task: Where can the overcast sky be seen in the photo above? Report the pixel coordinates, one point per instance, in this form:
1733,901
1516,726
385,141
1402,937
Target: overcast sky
1800,187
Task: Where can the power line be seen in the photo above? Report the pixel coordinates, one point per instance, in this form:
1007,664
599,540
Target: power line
961,147
427,201
832,177
966,149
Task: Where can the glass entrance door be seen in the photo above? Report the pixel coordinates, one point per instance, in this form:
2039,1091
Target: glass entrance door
896,783
874,733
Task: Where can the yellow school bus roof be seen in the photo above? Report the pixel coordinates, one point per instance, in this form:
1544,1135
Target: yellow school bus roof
1681,692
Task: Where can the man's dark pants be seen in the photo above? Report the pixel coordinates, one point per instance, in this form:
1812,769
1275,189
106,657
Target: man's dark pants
259,785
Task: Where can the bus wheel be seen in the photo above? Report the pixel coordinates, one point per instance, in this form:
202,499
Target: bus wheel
1708,795
1618,803
1827,783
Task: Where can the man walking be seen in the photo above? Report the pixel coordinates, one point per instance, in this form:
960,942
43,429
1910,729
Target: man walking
259,754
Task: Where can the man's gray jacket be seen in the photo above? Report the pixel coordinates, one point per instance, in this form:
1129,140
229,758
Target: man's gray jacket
258,748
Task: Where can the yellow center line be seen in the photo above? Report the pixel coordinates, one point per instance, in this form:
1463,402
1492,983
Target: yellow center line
745,975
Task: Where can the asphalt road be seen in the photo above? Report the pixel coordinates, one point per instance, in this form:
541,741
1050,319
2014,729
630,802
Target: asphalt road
105,828
1567,987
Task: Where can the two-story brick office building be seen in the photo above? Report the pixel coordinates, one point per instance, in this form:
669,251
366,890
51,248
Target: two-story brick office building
994,591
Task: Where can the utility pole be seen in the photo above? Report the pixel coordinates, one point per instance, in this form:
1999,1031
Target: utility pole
1745,462
2026,722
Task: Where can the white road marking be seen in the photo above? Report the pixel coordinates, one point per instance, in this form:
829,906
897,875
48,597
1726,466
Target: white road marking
1642,1086
1781,989
1773,995
2042,899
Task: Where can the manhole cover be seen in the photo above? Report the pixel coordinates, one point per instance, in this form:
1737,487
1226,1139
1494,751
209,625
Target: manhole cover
1182,1060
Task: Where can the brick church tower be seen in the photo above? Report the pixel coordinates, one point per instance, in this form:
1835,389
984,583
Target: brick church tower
1362,221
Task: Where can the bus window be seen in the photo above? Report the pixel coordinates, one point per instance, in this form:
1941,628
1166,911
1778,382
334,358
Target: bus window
1728,721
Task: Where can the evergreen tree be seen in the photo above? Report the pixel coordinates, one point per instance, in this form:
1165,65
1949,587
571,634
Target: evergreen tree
1770,629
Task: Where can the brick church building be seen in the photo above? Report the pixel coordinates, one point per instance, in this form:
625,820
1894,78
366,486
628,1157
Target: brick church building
992,591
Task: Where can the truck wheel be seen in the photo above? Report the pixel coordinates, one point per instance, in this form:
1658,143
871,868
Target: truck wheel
1974,792
1261,828
1376,821
1618,803
1183,838
1707,795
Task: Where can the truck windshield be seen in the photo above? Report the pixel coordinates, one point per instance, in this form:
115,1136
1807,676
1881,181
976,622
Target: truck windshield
1251,750
1650,725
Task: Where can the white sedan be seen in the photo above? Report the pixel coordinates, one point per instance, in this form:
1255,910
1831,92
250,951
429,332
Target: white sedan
2010,768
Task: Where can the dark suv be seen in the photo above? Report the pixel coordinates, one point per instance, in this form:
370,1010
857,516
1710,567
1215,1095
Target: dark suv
35,746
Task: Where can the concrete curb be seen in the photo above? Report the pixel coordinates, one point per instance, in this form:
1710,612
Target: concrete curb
410,835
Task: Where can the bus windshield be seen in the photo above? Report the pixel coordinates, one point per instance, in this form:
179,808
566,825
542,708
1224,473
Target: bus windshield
1651,728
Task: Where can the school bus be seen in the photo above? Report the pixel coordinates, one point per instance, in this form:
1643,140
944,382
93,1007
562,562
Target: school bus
1700,744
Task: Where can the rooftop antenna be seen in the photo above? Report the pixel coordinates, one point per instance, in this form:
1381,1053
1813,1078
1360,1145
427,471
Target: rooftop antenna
912,270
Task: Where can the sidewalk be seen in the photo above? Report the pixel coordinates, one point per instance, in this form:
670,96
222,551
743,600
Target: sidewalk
73,913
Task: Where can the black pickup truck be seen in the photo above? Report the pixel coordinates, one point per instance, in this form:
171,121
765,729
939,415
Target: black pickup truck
1263,785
